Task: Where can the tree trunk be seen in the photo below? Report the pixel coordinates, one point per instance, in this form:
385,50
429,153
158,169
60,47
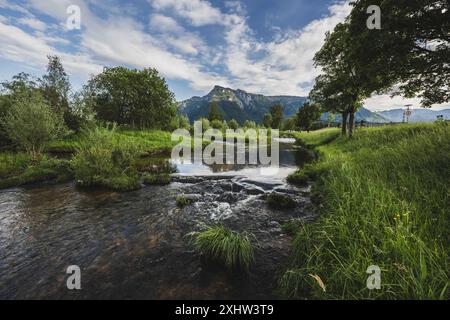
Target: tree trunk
344,123
351,124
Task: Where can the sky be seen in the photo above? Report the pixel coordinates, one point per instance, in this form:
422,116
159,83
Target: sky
260,46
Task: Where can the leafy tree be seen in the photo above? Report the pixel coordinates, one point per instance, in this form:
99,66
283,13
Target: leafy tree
233,124
138,98
277,113
330,118
411,49
55,86
348,77
31,123
290,123
250,124
307,115
204,122
332,95
214,112
217,124
21,84
267,120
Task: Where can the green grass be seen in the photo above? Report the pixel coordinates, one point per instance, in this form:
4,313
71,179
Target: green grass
157,179
384,201
314,138
18,170
182,201
231,248
12,164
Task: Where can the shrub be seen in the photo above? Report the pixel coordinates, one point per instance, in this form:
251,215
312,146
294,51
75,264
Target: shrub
30,123
232,248
104,159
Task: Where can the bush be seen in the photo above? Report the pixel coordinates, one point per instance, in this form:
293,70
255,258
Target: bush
233,249
30,123
104,159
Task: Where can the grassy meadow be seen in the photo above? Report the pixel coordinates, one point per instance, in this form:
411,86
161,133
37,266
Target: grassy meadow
383,199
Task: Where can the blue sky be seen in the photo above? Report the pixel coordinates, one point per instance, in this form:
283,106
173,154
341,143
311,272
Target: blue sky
261,46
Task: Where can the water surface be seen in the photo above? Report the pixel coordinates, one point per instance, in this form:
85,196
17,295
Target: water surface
135,244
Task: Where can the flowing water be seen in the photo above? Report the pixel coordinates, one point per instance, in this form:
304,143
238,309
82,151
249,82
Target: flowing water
135,244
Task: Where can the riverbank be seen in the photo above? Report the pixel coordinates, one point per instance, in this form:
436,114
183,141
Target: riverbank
383,200
18,169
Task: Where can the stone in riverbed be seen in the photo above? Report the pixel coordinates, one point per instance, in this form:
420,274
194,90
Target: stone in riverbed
193,197
280,201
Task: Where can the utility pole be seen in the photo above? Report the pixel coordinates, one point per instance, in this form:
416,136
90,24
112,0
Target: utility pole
407,113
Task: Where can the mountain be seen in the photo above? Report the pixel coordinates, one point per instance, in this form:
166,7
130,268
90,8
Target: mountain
242,106
239,105
362,114
418,115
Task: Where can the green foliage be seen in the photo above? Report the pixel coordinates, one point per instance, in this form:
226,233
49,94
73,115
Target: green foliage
13,163
250,125
179,122
55,87
384,202
204,123
277,113
290,124
233,249
137,98
19,169
267,120
182,201
217,124
21,84
30,123
280,201
291,227
105,159
233,124
315,138
215,113
307,115
399,51
298,178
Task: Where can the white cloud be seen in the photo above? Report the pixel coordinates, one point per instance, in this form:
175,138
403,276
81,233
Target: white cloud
198,12
165,24
282,66
386,102
33,23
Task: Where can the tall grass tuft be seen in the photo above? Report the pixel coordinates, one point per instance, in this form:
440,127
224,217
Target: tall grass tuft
104,159
232,248
385,200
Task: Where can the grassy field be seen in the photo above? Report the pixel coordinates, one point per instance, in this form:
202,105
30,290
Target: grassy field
384,201
148,141
17,169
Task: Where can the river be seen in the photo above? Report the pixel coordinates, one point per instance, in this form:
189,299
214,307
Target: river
134,245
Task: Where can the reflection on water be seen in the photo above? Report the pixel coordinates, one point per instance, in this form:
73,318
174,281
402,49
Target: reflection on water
290,159
133,245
